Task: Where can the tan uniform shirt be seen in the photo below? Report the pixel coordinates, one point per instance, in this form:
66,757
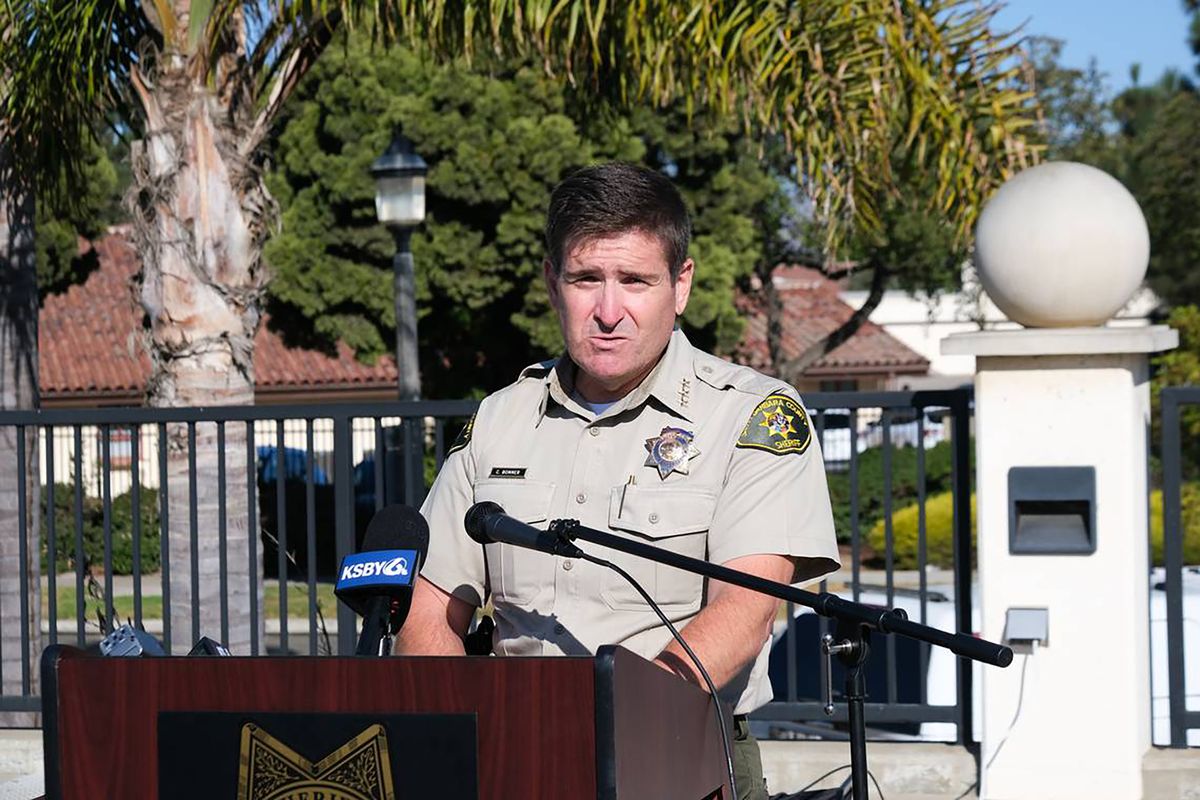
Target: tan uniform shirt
752,482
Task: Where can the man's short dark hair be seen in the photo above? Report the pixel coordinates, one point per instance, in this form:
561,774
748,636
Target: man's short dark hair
613,199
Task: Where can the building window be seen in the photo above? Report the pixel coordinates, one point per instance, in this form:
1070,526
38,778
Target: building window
847,385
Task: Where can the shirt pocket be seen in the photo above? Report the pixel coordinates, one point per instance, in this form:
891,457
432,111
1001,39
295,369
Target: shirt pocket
517,574
671,518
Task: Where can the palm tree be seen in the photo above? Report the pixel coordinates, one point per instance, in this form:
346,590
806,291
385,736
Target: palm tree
18,390
197,83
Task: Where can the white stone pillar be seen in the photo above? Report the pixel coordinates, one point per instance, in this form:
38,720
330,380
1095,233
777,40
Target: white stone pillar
1066,397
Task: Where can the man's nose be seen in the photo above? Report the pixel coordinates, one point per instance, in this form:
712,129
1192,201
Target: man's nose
610,307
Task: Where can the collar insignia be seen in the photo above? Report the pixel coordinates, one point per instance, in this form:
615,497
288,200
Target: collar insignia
671,451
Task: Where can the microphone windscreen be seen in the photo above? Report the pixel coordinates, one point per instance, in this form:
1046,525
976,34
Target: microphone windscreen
477,515
397,527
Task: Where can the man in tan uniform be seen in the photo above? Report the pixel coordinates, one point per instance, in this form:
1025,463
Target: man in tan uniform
637,433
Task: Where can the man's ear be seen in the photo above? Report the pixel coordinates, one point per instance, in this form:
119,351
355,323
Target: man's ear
683,286
551,277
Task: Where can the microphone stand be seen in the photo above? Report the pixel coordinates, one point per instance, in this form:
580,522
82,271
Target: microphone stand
851,643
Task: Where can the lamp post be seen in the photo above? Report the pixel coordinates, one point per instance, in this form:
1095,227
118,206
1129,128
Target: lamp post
400,205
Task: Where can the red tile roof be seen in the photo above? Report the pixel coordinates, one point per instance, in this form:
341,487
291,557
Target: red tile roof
89,343
812,309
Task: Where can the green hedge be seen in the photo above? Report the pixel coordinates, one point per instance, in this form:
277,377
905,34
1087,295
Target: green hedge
939,527
121,523
1189,495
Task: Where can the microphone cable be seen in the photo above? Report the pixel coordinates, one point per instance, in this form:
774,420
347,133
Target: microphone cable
712,690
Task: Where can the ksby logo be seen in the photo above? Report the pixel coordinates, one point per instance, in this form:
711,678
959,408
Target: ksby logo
378,568
395,567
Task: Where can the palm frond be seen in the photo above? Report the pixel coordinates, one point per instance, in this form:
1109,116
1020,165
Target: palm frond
65,66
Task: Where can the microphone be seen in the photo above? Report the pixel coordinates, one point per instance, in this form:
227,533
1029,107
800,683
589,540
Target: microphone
487,523
377,581
129,641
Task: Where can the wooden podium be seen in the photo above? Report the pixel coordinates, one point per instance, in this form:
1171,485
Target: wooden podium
614,727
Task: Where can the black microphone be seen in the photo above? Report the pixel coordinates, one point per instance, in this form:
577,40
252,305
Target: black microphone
377,581
486,523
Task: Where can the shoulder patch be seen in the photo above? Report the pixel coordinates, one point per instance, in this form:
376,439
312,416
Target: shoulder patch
464,436
778,425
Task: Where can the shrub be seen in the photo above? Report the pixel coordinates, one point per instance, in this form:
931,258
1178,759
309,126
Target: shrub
939,529
121,524
939,532
1189,495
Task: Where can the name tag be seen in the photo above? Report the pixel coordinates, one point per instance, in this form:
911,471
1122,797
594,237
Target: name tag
508,472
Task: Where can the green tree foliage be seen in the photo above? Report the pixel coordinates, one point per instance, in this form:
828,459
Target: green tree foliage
1178,367
81,207
497,142
1165,177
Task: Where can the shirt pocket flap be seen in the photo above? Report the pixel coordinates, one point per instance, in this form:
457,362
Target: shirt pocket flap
524,500
659,512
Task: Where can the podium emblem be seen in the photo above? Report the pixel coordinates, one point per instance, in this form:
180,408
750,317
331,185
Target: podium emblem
358,770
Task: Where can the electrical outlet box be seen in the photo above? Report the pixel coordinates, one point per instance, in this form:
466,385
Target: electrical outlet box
1024,626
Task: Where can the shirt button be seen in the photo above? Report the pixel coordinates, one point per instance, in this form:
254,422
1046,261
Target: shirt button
558,629
653,517
581,498
594,431
568,564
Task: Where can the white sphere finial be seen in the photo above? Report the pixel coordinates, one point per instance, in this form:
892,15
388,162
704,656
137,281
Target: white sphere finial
1061,245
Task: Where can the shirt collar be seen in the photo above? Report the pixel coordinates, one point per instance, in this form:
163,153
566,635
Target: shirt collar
670,383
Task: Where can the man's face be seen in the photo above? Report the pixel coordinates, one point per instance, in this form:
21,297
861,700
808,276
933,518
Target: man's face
617,307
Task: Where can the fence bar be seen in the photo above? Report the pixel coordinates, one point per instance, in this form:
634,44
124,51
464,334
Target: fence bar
343,509
922,555
222,533
281,531
380,459
252,534
23,555
51,539
439,442
164,533
135,499
310,513
855,534
1173,563
890,549
961,482
80,560
194,530
790,643
106,506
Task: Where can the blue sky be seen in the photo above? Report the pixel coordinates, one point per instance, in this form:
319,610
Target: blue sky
1116,32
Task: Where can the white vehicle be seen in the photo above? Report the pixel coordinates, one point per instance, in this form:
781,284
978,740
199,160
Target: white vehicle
941,678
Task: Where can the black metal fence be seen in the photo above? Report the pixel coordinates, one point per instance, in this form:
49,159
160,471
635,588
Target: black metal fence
310,477
1175,424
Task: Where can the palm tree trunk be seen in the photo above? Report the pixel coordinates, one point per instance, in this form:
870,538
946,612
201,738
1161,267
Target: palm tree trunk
20,612
201,286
